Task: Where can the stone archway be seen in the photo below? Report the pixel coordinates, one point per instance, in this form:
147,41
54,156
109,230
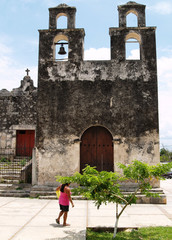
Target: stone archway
96,149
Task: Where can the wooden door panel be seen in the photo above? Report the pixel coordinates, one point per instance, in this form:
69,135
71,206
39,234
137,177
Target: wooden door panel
104,150
25,142
97,149
88,148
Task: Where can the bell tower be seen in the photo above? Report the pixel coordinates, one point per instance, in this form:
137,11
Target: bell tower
140,35
132,7
62,10
96,112
61,53
56,42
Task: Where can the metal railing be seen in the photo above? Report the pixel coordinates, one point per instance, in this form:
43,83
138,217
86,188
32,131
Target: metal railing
19,151
12,166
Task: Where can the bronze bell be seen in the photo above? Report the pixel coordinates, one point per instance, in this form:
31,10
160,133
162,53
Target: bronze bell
62,50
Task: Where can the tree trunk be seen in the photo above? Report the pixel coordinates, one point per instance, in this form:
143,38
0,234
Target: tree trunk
116,227
116,223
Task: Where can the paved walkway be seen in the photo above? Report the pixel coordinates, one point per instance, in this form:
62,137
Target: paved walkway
25,219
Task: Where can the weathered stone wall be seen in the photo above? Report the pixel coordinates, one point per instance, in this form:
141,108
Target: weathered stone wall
18,112
133,7
121,97
119,94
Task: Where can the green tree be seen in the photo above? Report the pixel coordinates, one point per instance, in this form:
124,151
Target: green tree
165,155
104,187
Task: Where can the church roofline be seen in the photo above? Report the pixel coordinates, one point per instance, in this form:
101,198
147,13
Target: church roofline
131,3
62,6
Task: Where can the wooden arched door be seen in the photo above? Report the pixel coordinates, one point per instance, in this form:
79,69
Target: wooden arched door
96,149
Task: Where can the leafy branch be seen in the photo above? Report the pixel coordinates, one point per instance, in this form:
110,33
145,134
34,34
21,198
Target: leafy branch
104,187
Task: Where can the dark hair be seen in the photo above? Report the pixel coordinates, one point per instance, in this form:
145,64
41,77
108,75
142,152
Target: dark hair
63,186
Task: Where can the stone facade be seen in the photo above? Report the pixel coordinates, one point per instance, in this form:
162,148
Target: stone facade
119,95
18,112
78,101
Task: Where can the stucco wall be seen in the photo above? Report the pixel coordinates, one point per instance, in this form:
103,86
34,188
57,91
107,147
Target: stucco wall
123,101
119,94
18,112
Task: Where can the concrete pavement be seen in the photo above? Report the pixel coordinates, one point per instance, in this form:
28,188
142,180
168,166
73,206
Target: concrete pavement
25,219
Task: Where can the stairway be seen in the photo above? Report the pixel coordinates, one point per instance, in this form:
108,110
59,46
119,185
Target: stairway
10,171
49,192
129,188
43,192
14,190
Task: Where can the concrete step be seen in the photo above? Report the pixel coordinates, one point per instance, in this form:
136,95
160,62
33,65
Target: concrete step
18,159
15,190
7,186
10,181
43,188
142,199
42,193
19,195
54,197
159,191
10,176
48,192
14,193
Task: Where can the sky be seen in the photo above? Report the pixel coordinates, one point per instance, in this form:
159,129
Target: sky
19,39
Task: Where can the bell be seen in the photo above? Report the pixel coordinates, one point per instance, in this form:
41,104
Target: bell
62,50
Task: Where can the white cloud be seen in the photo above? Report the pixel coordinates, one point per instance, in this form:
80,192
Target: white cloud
12,72
164,65
165,100
134,54
165,116
97,54
104,54
162,7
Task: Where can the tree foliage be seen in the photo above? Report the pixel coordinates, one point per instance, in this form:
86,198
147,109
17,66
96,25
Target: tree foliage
104,187
165,155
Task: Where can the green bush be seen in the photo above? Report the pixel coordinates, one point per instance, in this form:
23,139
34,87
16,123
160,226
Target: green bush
23,162
165,155
4,159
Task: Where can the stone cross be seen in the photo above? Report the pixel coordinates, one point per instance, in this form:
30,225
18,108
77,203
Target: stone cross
27,70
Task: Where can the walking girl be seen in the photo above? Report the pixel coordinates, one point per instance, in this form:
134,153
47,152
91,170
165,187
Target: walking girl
64,199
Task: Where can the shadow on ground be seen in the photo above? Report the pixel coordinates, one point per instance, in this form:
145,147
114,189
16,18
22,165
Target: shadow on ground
71,235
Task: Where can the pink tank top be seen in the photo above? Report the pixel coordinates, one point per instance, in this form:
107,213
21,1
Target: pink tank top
63,199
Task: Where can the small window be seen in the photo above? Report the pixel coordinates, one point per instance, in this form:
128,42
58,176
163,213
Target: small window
132,20
132,49
62,22
22,132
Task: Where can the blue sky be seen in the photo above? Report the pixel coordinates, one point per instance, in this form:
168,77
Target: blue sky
21,19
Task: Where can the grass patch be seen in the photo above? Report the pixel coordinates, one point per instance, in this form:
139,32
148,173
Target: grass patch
150,233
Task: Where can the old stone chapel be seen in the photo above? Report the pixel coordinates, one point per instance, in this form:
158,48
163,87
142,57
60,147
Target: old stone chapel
85,112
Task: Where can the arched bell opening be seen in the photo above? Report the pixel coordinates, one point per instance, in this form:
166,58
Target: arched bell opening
132,18
132,47
96,149
61,21
61,48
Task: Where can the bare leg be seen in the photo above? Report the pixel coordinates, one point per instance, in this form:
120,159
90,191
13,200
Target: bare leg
64,219
58,219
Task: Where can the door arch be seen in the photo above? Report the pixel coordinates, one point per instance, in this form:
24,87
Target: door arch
96,149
